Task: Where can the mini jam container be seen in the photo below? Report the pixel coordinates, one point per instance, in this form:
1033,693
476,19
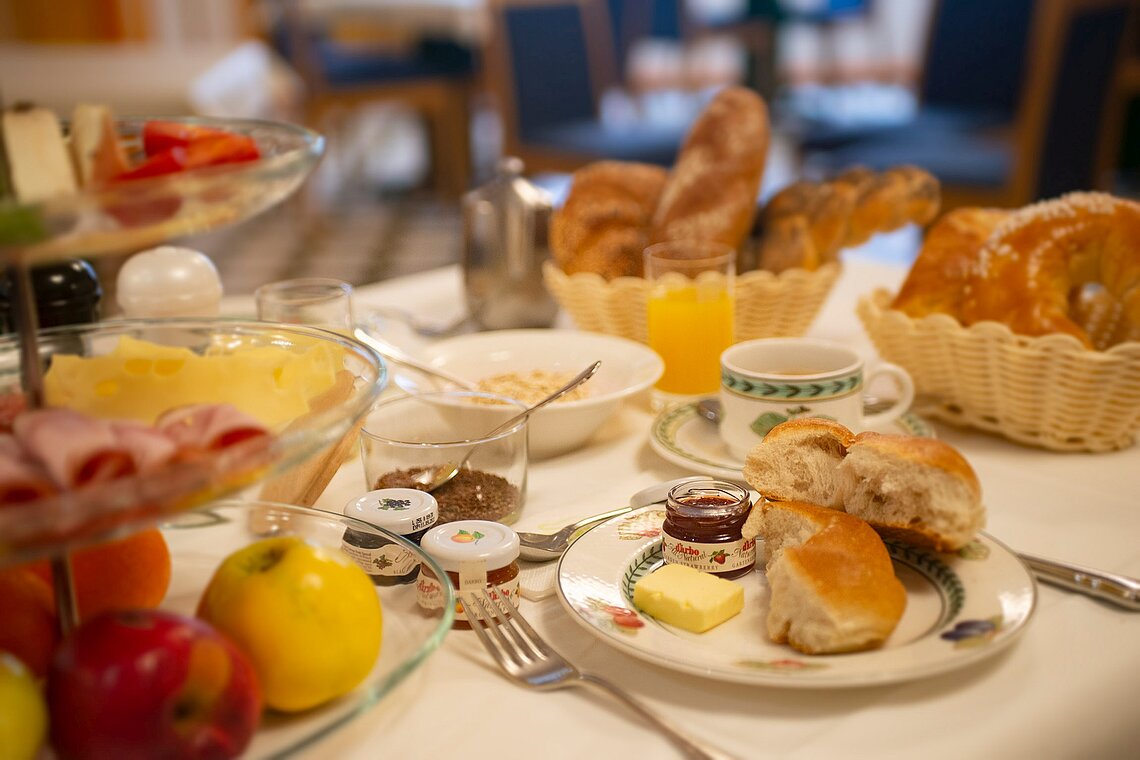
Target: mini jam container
404,511
476,554
702,526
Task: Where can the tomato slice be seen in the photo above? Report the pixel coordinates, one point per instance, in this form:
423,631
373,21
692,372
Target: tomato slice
220,148
160,136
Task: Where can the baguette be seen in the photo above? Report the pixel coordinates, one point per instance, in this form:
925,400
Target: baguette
711,192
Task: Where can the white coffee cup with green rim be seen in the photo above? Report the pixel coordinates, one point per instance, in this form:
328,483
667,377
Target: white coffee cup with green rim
771,380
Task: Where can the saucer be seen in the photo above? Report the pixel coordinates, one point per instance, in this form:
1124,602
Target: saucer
682,436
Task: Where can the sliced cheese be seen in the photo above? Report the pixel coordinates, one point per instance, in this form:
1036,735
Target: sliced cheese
140,380
687,598
39,166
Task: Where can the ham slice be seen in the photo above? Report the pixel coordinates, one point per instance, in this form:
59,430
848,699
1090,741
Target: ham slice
21,478
209,427
149,447
75,449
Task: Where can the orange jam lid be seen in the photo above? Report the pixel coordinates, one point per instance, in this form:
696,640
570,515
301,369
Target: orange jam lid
464,541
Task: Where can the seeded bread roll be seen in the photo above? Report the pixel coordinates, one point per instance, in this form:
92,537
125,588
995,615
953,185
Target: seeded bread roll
798,460
917,490
831,581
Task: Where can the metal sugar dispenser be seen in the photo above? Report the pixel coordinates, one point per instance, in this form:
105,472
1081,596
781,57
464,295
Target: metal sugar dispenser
505,229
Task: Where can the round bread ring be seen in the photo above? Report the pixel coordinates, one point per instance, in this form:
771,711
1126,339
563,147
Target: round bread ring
1029,269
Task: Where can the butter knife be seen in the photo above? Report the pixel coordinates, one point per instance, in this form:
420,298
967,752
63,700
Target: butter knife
1120,590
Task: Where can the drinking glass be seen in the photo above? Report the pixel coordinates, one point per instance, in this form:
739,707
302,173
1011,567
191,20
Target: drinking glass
314,301
689,319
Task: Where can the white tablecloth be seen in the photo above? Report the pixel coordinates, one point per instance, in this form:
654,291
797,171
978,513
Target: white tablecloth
1069,687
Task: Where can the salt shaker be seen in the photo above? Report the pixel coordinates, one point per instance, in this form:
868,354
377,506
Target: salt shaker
169,281
505,230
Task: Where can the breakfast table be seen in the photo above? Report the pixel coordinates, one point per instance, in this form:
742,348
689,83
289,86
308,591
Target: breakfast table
1066,687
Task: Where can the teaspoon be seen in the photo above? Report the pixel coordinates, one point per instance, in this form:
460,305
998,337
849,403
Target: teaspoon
432,478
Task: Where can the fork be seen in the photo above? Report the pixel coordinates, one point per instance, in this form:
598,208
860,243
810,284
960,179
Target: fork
529,660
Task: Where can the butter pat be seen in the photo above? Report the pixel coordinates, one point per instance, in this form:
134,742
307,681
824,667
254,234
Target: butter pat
687,598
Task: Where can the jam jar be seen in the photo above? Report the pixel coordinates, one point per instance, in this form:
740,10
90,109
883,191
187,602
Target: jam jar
405,511
476,554
702,526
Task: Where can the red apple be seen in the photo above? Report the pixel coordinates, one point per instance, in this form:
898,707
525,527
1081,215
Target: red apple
151,683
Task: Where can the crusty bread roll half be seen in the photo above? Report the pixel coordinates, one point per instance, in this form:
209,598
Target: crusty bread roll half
832,586
917,490
798,460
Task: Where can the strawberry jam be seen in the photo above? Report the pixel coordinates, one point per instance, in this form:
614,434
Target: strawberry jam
702,528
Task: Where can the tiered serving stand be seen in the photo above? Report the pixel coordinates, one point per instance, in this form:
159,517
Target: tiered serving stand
186,499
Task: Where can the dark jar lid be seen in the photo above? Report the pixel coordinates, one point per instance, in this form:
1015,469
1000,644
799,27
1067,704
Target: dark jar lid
67,293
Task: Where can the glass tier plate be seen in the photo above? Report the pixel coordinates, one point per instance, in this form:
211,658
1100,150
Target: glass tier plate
118,507
200,540
141,213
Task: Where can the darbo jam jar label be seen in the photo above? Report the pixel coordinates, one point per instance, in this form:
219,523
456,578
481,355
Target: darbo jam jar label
429,594
710,558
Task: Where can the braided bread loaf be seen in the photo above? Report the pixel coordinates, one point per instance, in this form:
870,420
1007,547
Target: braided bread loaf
806,224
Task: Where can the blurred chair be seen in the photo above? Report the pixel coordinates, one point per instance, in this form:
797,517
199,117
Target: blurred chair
432,77
548,63
983,152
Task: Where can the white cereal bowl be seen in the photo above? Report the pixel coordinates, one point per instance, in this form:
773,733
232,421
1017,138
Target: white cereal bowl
627,368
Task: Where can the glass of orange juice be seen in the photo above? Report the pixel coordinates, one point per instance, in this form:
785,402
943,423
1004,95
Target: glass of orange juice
689,315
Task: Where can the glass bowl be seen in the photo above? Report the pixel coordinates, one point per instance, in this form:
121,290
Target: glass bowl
420,433
200,540
115,508
145,212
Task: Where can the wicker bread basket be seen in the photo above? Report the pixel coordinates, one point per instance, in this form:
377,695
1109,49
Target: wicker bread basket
1049,391
767,305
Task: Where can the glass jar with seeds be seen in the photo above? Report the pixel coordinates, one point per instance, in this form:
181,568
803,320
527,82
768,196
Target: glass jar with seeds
407,439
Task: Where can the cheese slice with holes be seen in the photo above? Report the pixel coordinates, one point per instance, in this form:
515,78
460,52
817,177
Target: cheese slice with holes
687,598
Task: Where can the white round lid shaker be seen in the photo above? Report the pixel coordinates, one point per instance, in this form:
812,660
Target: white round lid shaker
400,510
471,540
169,281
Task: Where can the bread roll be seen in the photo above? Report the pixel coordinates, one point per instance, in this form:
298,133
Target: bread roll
711,192
603,225
798,461
920,491
831,581
917,490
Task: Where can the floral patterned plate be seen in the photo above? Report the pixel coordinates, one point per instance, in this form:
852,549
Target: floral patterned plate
681,435
961,608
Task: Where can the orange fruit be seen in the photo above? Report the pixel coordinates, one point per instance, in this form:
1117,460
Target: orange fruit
128,573
29,630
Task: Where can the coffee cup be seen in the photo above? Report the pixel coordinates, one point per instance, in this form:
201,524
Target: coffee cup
771,380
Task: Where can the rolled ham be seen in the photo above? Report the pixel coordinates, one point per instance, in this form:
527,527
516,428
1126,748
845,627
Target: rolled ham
21,478
209,427
75,449
149,447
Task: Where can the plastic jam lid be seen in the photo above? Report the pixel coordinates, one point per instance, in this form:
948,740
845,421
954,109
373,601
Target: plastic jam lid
400,510
471,541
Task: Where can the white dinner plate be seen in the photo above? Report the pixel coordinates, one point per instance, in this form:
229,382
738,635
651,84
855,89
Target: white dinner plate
961,608
681,435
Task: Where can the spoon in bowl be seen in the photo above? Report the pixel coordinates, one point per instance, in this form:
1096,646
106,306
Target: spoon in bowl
433,478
